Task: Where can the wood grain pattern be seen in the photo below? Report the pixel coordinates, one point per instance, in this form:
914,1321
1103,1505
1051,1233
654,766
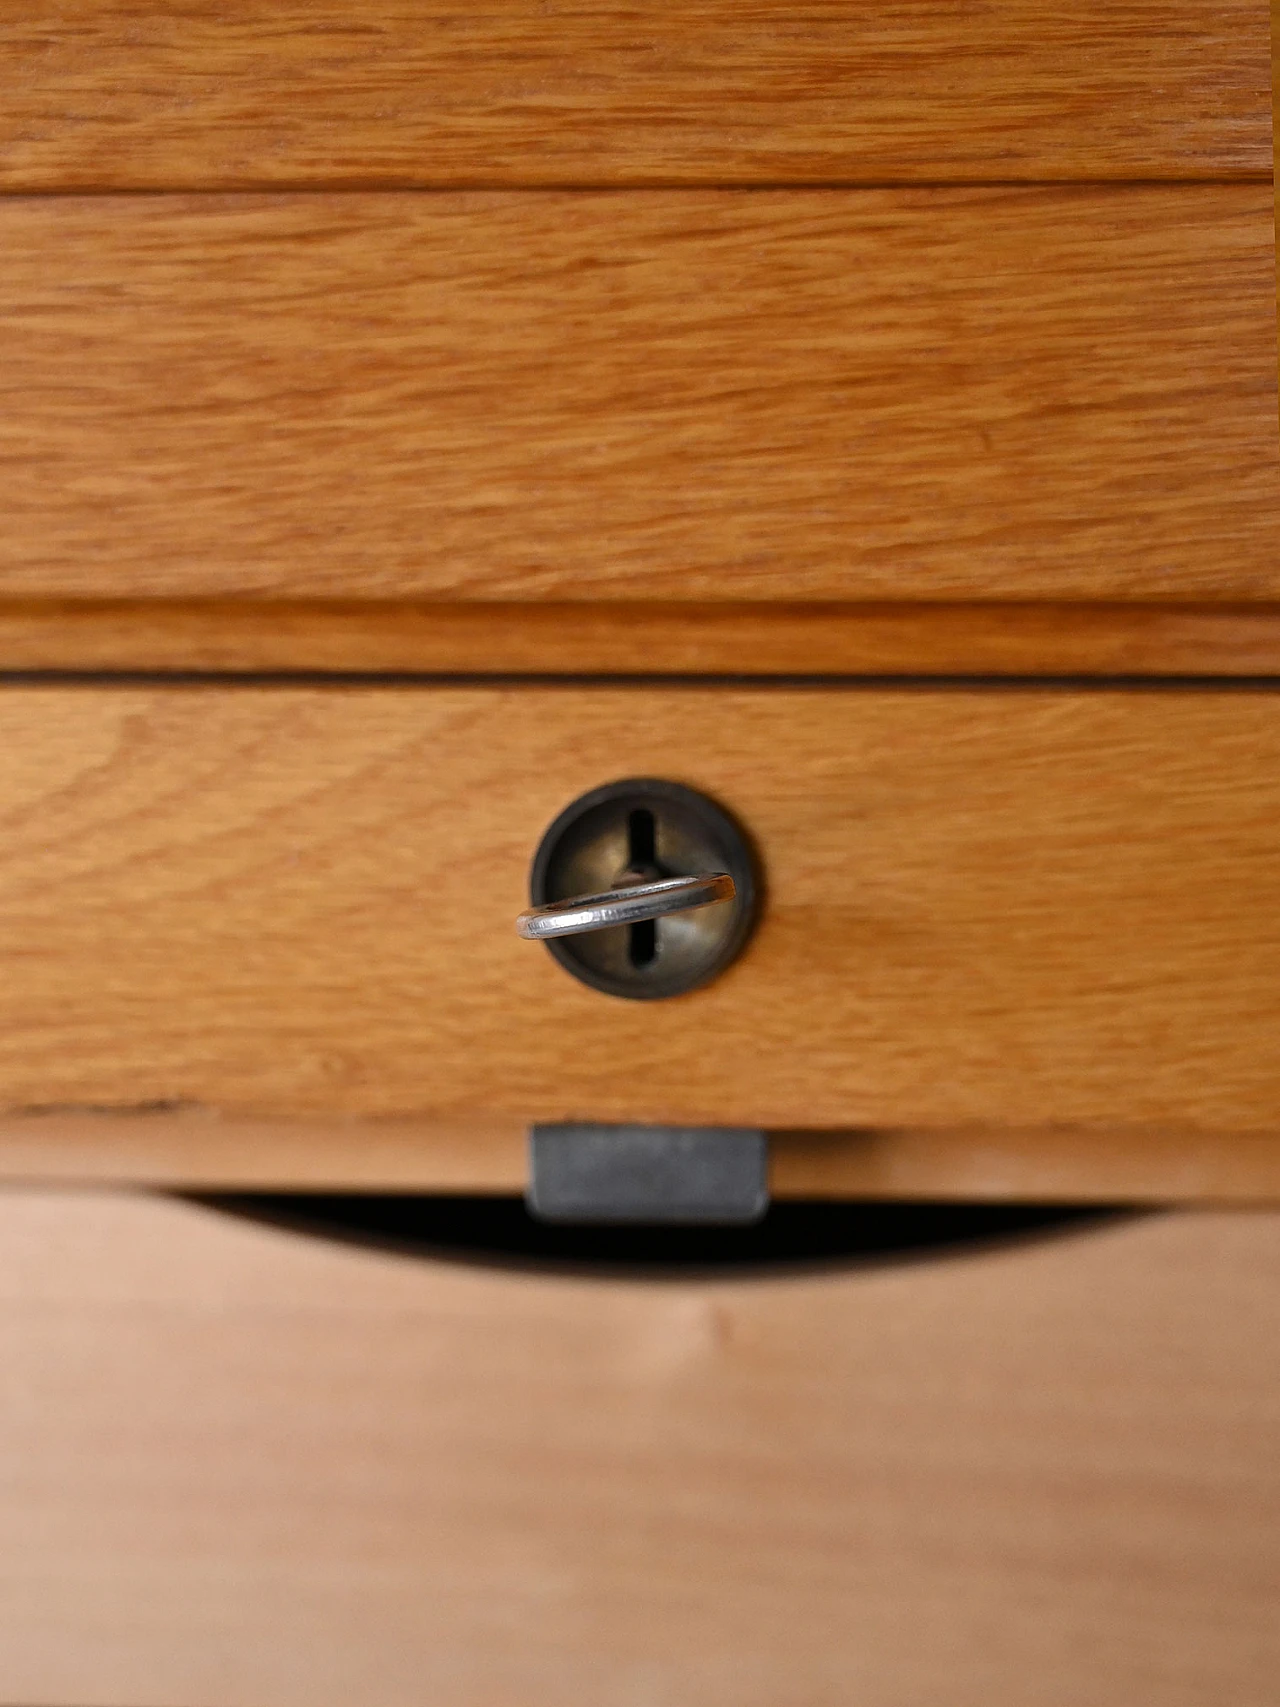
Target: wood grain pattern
219,94
336,636
198,1149
720,396
242,1467
1007,908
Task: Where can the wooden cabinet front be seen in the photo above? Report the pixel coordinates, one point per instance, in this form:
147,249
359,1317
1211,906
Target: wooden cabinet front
1012,908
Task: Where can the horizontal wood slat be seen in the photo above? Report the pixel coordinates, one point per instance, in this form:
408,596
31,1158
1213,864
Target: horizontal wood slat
718,396
649,639
1019,907
190,1149
223,94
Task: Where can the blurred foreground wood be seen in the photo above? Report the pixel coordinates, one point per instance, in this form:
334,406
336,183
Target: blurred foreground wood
243,1467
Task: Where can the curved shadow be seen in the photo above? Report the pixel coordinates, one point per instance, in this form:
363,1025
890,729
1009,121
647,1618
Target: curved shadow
793,1235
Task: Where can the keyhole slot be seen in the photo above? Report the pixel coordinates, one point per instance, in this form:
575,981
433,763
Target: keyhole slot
642,836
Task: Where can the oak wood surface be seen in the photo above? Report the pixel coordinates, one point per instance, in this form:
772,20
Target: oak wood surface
243,1467
197,1148
1019,907
802,396
221,94
652,638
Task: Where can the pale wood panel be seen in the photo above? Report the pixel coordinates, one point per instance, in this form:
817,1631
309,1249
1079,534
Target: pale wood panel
1023,907
1048,1164
794,395
240,1467
647,639
223,94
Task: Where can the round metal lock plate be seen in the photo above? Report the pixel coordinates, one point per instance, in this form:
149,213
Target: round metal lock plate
660,828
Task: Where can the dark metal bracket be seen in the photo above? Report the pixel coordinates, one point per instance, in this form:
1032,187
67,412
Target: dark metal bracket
708,1175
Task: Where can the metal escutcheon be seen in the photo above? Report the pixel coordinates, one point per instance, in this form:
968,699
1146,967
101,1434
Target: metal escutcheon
642,889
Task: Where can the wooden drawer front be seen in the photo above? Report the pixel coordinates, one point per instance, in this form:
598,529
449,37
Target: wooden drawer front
241,1468
222,94
1027,907
794,395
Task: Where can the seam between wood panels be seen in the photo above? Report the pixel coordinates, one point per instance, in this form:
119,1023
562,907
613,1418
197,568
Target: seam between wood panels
918,682
390,187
